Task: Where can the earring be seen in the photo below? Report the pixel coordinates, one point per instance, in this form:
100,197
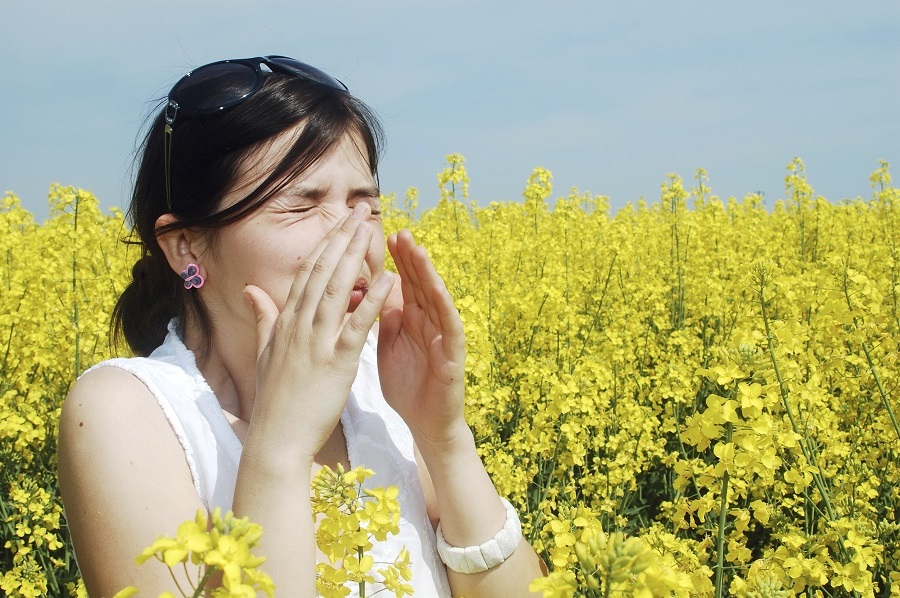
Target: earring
192,278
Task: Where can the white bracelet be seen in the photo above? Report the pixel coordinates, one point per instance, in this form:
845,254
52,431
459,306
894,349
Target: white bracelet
475,559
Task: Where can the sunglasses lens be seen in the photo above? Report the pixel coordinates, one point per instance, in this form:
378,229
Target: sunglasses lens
304,71
214,87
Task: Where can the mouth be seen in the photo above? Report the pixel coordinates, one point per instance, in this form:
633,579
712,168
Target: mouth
358,293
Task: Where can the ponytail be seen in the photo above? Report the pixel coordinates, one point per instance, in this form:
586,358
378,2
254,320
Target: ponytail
144,309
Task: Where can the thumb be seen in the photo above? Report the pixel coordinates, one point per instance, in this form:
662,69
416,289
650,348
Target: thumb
266,313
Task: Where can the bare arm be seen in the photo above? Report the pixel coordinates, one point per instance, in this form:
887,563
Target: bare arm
469,508
124,481
422,367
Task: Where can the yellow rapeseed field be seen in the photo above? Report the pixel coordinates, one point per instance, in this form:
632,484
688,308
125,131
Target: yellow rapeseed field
690,396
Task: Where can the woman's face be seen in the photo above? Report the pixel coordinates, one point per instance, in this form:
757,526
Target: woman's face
267,247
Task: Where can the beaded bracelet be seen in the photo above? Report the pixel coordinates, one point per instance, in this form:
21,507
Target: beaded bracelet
475,559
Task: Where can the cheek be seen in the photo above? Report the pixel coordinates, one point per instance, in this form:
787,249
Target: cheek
276,281
267,266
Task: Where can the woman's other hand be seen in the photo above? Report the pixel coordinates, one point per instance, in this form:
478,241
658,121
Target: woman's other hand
422,348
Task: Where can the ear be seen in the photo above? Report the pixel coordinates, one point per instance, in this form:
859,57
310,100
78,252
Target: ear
181,246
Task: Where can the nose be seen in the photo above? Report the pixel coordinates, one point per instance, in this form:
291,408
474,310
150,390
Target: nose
337,211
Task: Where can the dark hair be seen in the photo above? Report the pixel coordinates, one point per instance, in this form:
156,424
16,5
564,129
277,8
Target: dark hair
207,155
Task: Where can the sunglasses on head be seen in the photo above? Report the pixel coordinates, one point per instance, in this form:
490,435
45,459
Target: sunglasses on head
210,89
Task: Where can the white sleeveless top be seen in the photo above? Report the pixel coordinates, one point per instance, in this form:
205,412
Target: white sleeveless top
377,438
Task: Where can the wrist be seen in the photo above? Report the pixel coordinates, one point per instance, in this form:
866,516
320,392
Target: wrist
458,442
276,460
286,441
488,554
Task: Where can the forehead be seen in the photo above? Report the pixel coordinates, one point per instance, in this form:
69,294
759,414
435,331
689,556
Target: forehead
348,157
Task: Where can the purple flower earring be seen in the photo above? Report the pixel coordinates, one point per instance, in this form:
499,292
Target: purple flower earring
192,278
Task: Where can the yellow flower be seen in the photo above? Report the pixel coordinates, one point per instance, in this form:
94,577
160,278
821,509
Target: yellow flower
684,362
350,517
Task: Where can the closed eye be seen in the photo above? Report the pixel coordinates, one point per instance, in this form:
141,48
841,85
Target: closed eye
300,210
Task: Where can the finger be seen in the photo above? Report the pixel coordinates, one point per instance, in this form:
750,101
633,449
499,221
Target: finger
406,292
348,241
303,273
412,287
441,308
330,300
422,275
428,290
395,297
356,330
266,312
451,325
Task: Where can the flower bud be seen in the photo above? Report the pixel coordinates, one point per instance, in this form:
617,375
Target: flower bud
585,558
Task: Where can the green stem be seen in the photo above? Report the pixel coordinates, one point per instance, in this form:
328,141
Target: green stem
553,462
720,535
362,584
869,360
596,318
49,572
12,329
881,391
175,579
807,454
201,587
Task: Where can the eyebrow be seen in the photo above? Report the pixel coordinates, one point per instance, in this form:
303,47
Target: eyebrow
316,193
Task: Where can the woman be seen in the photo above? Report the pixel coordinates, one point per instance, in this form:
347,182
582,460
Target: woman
254,305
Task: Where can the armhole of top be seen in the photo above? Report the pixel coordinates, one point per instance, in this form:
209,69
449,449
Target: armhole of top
168,411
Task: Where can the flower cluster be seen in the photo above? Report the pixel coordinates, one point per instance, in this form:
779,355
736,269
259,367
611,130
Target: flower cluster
59,280
714,379
611,564
219,550
713,376
33,516
349,519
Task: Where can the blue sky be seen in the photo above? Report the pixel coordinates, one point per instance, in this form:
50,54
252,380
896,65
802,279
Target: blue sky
609,96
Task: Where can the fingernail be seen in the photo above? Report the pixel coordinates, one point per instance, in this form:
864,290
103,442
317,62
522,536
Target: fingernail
359,210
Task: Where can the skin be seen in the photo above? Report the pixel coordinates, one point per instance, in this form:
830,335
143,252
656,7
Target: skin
292,290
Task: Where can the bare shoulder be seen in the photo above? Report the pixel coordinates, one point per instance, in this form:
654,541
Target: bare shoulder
109,410
106,388
123,476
